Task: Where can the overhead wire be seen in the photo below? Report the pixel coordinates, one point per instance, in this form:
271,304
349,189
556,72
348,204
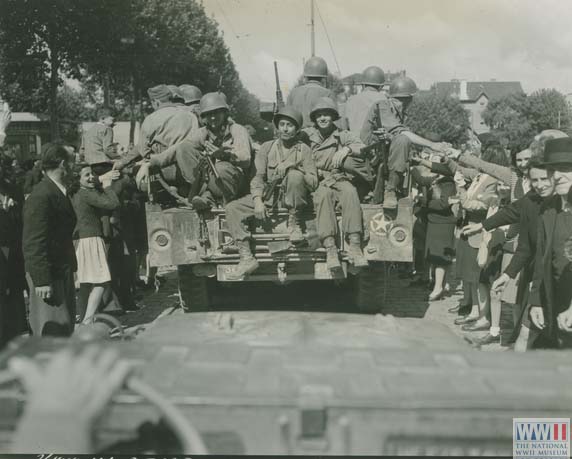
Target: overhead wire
240,43
328,37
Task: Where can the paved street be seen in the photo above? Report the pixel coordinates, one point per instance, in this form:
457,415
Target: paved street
401,300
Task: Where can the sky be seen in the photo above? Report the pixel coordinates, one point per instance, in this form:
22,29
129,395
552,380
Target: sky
433,40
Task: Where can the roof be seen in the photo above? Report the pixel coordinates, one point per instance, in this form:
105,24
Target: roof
492,89
27,117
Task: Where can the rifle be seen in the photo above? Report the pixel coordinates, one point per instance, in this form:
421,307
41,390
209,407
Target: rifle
279,97
382,152
226,193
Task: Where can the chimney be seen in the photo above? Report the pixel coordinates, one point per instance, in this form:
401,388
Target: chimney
463,94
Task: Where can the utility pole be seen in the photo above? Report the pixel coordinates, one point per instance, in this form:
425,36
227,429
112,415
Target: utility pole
312,31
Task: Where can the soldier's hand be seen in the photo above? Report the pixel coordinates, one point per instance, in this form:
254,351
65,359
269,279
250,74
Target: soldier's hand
259,209
339,157
142,175
44,292
537,317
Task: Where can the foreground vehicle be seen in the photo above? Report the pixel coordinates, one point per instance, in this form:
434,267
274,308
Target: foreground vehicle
318,384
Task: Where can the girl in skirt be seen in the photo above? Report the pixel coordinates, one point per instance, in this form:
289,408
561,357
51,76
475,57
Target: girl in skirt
90,202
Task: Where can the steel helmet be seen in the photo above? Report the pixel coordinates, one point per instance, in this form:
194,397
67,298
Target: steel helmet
191,93
373,76
289,113
175,92
324,104
402,86
213,101
316,67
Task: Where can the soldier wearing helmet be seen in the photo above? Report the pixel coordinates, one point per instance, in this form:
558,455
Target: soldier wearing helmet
166,126
303,98
340,169
224,141
390,114
358,105
178,100
285,176
192,96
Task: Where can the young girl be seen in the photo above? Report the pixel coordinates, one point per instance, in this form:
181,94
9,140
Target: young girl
90,202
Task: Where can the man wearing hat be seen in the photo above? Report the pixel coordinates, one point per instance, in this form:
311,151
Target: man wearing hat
303,98
339,174
166,126
551,291
358,105
285,176
98,140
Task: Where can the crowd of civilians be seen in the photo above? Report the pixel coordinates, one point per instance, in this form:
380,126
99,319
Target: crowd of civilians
505,220
66,222
76,219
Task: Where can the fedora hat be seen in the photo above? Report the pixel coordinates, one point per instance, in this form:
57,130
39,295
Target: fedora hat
558,151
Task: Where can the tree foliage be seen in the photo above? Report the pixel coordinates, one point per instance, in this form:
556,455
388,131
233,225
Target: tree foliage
122,47
518,117
445,116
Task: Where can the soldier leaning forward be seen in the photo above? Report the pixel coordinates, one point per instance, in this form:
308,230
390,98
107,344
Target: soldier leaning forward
282,167
220,143
388,116
166,126
331,149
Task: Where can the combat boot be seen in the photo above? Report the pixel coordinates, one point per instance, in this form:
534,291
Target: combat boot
332,257
203,202
355,253
247,263
296,235
389,195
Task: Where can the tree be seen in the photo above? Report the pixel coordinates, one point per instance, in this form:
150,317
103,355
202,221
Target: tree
44,35
436,114
507,119
518,117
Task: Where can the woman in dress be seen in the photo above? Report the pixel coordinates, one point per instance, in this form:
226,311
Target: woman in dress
90,202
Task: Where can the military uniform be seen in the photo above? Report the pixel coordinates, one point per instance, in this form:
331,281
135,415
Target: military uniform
358,106
98,144
166,126
336,185
303,98
299,182
188,156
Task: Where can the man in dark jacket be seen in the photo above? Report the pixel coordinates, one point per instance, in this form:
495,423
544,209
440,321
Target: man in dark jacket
524,212
49,255
551,291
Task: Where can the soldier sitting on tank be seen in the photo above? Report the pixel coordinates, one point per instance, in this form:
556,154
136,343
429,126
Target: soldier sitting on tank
224,142
387,116
331,148
285,175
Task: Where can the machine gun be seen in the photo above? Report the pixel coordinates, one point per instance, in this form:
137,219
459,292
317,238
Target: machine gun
279,97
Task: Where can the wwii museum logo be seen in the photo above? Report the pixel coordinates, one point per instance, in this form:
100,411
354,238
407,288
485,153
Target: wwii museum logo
541,438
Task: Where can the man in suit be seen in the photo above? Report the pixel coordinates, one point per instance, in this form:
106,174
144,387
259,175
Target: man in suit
551,291
49,222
